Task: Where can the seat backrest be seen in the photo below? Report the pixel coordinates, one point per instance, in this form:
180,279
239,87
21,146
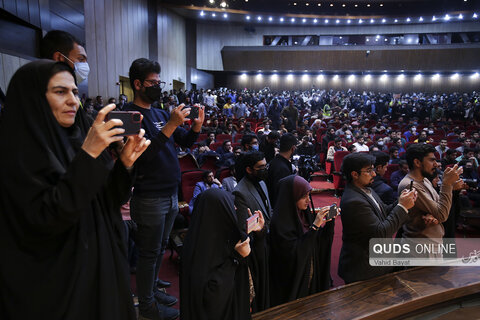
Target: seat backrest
189,179
187,162
222,137
222,173
338,159
391,168
210,163
202,136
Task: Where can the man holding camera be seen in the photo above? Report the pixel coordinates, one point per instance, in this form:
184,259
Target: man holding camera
431,209
154,204
365,216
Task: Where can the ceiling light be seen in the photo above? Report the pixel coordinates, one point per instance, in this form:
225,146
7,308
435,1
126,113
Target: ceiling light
475,75
381,4
211,1
326,20
434,18
408,19
335,77
294,3
244,76
319,4
304,20
367,77
320,77
213,14
455,76
289,77
371,20
384,77
401,77
340,37
315,20
460,16
475,16
420,19
368,40
307,4
368,4
447,17
351,77
246,0
384,20
274,76
386,39
225,15
270,18
202,13
292,20
418,77
331,4
396,20
436,76
349,21
360,21
343,5
223,4
337,21
259,18
356,5
281,19
247,17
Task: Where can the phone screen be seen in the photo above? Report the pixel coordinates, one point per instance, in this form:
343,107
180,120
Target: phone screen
252,222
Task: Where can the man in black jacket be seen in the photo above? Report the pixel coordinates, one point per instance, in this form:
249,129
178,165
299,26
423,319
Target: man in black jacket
379,185
281,167
365,216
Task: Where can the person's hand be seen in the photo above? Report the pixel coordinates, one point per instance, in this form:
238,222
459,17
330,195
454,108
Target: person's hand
178,115
452,175
261,220
243,248
198,122
217,182
320,215
101,134
459,185
429,220
407,198
134,148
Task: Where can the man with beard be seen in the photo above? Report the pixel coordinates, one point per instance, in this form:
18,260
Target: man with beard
365,216
423,166
251,194
154,204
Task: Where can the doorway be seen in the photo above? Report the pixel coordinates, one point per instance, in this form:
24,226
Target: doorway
177,85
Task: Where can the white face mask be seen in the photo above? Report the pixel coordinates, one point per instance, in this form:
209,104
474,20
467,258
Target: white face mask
82,69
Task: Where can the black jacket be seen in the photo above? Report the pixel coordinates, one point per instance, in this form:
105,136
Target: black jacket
362,220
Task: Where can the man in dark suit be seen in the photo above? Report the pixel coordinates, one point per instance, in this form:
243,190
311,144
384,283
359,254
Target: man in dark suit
251,194
365,216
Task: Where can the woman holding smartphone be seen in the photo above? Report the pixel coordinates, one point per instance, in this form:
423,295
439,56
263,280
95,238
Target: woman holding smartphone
61,231
300,242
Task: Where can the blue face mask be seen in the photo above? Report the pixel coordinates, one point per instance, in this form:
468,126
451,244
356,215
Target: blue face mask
255,147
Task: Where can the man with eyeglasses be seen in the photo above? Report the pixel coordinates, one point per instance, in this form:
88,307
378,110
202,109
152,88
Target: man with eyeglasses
365,216
154,204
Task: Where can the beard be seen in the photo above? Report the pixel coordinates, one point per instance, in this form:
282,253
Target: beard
429,175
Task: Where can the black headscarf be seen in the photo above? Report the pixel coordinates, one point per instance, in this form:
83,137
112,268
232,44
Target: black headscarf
294,252
61,232
214,277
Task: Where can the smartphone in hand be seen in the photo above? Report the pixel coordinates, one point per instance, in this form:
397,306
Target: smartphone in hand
193,113
332,212
252,222
132,121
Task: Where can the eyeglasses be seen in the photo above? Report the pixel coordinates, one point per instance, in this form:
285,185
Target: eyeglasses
155,83
369,171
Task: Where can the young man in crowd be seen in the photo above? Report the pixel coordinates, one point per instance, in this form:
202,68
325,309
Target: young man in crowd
154,204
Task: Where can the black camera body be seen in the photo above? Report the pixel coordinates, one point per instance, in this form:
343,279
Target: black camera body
306,166
132,121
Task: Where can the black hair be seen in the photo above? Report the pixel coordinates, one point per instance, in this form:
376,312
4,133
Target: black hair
225,142
247,160
205,174
467,150
392,149
273,135
351,147
337,139
381,158
57,40
418,151
402,163
140,69
287,141
60,67
356,162
247,139
450,152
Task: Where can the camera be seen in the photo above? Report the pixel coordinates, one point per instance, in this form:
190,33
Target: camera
471,183
306,166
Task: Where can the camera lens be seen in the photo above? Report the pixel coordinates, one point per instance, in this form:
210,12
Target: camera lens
136,117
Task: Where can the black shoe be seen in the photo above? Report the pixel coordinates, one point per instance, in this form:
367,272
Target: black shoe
163,284
158,312
165,298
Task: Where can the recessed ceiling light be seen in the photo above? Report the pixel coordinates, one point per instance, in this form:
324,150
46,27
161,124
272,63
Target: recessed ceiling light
420,19
270,18
223,4
384,20
331,4
202,13
225,15
213,14
304,20
396,20
247,17
349,21
281,19
337,21
408,20
212,1
460,16
381,4
326,20
319,4
307,4
368,4
372,21
315,20
294,3
259,18
343,5
356,5
360,21
475,16
293,19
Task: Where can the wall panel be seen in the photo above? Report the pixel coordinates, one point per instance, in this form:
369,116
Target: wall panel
116,34
8,66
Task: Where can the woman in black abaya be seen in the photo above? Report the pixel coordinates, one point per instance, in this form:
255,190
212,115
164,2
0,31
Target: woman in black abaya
61,231
214,280
300,246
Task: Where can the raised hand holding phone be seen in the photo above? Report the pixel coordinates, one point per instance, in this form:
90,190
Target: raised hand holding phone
255,222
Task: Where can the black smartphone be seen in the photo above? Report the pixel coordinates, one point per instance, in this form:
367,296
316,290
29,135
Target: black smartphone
132,121
411,185
332,213
193,113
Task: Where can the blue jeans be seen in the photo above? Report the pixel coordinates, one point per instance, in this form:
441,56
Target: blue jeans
154,218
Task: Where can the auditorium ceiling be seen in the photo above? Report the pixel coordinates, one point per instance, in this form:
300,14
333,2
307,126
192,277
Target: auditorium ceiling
332,7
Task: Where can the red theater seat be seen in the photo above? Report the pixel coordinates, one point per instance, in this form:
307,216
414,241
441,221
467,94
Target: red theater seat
187,162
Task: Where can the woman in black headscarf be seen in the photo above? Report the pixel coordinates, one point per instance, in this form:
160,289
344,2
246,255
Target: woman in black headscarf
300,246
214,280
61,231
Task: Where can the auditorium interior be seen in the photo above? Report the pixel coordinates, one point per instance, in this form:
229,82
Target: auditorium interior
392,59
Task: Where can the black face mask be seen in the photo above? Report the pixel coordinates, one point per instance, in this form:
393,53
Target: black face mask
153,93
259,175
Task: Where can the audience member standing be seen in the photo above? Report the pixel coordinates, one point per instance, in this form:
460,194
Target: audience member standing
154,203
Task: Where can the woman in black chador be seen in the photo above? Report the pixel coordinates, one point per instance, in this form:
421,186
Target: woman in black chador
214,279
61,231
300,246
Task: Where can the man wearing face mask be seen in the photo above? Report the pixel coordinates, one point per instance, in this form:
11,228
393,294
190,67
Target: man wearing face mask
154,204
62,46
281,166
